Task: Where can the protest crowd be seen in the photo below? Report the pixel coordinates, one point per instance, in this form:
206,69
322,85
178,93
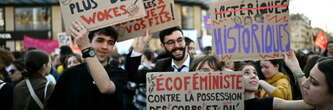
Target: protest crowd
98,78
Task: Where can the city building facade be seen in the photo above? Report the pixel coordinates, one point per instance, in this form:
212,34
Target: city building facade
301,32
42,19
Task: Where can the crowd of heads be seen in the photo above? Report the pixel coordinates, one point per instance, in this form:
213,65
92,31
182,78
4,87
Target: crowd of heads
317,67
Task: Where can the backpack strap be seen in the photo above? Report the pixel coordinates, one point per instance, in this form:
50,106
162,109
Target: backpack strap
33,94
45,89
2,84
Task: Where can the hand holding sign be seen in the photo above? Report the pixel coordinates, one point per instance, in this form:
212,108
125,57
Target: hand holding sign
95,14
160,16
254,30
80,33
292,62
133,9
142,41
195,91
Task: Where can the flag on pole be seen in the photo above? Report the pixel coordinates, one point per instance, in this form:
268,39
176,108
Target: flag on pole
321,40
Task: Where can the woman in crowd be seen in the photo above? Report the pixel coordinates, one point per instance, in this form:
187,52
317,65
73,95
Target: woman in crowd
72,60
32,92
317,89
276,83
210,64
206,64
251,84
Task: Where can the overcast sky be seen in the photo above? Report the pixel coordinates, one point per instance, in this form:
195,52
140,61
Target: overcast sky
318,11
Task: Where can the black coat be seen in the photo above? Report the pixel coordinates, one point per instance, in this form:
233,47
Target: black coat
139,76
76,90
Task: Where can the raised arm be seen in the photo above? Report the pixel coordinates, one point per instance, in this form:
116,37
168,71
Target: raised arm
281,89
281,104
133,60
97,71
292,63
142,42
266,86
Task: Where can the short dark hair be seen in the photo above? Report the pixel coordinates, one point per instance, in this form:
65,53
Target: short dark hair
65,50
34,60
149,55
207,50
280,64
168,31
188,41
276,62
19,64
108,31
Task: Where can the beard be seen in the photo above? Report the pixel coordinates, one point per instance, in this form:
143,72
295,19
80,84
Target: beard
177,58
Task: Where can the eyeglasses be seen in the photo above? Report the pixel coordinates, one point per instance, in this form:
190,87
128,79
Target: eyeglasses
172,42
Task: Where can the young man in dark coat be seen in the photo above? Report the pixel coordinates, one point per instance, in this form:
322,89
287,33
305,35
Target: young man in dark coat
95,84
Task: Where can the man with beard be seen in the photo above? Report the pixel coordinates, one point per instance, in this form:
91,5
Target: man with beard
178,60
173,41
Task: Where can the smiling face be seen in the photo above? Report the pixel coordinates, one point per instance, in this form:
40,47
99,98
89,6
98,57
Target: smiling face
250,78
103,45
174,44
315,88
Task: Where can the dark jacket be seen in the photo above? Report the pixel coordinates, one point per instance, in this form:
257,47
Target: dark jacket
22,99
76,90
6,95
132,64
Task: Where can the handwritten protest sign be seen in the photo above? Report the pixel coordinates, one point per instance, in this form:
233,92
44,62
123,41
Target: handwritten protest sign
195,91
250,29
97,14
160,15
